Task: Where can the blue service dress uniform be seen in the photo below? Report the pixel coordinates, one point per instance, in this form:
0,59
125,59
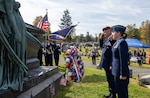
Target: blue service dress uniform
106,61
120,67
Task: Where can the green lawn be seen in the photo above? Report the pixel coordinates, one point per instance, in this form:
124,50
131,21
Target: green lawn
94,85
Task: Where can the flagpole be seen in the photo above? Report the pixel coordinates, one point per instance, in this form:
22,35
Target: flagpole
46,38
47,29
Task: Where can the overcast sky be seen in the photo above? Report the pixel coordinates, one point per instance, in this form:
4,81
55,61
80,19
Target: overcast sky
93,15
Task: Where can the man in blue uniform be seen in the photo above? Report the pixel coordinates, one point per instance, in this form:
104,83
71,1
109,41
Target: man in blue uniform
120,58
106,46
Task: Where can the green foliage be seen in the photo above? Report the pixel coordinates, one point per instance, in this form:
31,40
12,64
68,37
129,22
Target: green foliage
66,20
132,32
144,31
37,20
82,38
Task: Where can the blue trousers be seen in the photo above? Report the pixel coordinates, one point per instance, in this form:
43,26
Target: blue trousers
110,80
121,87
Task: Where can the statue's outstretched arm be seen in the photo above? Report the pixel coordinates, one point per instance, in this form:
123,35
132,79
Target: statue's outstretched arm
11,51
34,39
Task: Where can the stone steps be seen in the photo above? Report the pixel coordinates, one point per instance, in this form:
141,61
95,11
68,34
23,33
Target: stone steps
42,90
38,75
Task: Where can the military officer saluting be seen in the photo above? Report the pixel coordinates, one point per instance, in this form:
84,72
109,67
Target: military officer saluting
120,68
106,44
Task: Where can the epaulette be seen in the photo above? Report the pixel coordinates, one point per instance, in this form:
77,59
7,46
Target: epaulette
118,42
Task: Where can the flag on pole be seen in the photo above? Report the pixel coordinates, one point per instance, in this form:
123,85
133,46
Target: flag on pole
44,24
56,38
61,34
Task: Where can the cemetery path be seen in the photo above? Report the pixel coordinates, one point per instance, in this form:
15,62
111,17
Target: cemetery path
135,70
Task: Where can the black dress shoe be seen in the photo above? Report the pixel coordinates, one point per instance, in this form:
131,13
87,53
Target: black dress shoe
107,95
110,96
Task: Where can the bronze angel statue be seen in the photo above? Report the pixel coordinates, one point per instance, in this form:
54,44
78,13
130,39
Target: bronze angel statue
12,46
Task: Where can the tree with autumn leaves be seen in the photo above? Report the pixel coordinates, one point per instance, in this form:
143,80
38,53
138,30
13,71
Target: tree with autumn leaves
145,31
37,20
142,33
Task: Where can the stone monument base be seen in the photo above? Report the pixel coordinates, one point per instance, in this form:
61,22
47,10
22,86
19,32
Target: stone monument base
39,83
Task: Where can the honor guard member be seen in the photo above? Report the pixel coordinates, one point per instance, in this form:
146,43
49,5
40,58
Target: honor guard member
57,52
49,56
120,68
106,44
40,54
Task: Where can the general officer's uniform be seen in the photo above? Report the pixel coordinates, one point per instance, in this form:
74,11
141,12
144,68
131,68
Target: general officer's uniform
105,63
120,63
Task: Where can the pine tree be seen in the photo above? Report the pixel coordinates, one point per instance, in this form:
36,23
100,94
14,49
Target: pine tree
65,22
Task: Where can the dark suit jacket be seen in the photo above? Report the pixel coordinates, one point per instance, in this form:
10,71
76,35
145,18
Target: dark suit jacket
106,58
120,58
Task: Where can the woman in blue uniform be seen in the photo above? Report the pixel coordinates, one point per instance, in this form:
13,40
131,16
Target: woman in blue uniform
120,68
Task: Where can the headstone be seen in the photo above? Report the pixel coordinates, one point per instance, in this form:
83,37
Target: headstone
145,79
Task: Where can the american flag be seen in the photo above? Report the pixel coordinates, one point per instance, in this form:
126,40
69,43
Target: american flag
44,24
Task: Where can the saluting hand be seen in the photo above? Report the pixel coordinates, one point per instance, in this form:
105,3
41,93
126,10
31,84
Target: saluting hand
101,36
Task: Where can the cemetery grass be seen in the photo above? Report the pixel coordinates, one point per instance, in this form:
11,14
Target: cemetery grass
94,85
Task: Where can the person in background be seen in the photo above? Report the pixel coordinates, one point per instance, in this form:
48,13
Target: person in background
120,57
57,52
86,50
93,54
80,48
135,53
40,53
106,44
130,55
49,56
144,57
139,57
